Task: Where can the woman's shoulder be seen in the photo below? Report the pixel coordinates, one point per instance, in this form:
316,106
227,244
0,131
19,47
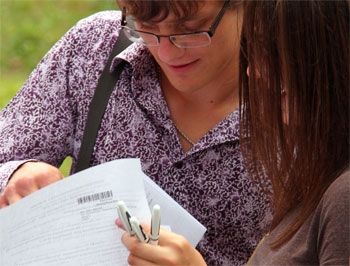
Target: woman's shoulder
333,223
336,200
340,188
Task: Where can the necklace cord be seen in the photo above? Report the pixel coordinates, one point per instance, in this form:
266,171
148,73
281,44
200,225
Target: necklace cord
177,128
184,135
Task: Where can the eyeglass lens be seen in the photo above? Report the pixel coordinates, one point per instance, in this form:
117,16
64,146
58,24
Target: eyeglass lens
181,40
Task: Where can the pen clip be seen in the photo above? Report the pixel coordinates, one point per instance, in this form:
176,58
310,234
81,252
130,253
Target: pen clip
137,228
124,216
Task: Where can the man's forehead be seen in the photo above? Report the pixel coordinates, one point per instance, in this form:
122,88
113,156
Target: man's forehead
203,12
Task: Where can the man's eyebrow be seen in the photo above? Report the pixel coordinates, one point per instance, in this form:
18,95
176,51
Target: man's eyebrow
178,21
194,18
198,17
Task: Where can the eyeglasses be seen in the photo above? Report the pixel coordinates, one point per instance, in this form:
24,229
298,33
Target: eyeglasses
188,40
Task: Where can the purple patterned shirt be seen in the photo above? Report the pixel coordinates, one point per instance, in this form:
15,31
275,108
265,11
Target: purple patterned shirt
45,122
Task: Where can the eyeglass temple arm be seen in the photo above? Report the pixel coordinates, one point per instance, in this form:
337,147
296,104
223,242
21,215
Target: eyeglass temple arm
218,19
123,22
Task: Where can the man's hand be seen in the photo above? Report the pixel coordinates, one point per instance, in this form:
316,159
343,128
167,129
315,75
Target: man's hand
28,178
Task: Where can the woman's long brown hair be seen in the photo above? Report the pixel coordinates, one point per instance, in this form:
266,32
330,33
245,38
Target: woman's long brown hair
295,100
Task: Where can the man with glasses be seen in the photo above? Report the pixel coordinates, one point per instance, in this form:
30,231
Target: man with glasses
175,106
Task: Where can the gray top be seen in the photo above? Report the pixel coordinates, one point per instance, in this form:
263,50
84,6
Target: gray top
322,240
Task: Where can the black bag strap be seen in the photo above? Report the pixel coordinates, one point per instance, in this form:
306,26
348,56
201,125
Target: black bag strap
105,86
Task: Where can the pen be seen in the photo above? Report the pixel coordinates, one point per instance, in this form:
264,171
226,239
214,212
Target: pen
155,225
124,216
137,228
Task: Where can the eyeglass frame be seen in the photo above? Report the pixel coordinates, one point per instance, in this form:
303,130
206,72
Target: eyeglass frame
210,32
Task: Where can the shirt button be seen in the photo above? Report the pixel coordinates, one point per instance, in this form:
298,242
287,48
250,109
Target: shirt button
178,165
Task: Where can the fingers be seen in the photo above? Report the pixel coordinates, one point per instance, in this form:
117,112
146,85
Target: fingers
16,190
166,253
48,178
27,179
19,189
3,201
37,174
139,261
140,253
119,223
173,249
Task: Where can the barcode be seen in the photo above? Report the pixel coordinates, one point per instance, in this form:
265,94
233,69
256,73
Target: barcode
96,196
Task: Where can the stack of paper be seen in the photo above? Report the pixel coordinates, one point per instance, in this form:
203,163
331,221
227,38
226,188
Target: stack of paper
71,222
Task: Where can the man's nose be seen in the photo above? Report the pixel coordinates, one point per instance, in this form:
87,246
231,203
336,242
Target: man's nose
167,50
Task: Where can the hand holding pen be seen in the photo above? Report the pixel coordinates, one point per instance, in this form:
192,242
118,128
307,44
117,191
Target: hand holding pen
133,226
175,249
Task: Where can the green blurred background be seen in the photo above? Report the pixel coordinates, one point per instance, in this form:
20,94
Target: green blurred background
28,29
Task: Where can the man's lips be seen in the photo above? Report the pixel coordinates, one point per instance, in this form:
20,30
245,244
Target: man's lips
182,67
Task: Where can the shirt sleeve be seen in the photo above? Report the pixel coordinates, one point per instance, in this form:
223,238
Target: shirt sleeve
46,118
334,229
32,125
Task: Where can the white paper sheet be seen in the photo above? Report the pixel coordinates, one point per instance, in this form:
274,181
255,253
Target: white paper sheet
71,222
173,214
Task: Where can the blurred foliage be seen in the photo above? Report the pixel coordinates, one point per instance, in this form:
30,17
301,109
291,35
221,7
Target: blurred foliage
28,29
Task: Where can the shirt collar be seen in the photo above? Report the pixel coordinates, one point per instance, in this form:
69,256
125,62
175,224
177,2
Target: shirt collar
132,54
